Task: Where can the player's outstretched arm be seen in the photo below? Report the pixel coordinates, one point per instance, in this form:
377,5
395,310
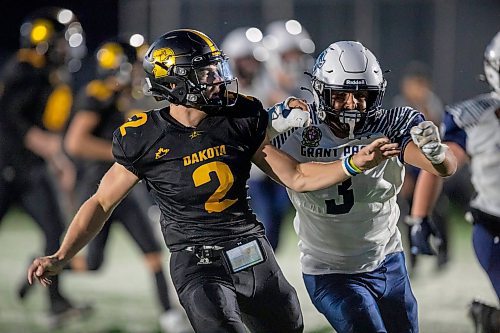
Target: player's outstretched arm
311,176
91,216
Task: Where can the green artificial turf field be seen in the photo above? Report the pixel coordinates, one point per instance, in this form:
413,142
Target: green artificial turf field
122,292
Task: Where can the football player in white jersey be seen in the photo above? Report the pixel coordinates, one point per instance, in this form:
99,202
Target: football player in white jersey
472,132
351,253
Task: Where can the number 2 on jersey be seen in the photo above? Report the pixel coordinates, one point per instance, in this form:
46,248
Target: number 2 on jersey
201,176
347,193
140,119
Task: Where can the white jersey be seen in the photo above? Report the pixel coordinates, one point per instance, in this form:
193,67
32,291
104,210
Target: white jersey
350,227
479,118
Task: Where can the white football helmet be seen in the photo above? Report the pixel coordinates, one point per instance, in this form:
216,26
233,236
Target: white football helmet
290,47
346,66
491,63
245,42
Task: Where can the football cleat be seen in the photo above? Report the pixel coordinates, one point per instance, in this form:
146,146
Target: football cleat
63,311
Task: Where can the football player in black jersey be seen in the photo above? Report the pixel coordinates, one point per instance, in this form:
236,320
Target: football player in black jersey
35,102
195,156
101,107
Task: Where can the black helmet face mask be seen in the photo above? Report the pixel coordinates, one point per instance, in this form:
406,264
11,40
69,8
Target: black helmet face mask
210,84
347,86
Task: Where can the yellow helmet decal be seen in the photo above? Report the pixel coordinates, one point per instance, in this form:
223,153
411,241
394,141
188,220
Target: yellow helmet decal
109,55
165,56
41,31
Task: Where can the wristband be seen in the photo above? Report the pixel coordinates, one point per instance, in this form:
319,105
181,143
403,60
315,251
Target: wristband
354,166
348,169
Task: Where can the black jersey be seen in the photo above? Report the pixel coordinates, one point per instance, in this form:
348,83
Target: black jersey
31,95
196,175
98,98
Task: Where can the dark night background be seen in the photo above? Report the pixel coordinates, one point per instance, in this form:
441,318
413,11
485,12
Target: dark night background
449,36
99,20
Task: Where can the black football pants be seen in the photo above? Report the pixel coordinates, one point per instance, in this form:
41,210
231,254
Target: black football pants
33,191
218,302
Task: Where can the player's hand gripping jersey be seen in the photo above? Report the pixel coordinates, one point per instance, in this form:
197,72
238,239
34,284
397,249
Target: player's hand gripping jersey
475,126
350,227
196,175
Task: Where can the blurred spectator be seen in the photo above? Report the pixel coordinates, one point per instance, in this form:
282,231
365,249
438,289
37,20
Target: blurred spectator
35,104
416,91
101,107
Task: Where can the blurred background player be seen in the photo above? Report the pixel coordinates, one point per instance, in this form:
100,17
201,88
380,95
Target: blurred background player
270,67
36,99
290,55
101,107
472,132
416,92
247,54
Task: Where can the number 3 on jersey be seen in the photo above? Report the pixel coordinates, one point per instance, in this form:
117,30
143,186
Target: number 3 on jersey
347,193
201,176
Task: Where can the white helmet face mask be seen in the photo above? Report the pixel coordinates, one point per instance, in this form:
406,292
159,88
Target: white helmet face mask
346,66
492,63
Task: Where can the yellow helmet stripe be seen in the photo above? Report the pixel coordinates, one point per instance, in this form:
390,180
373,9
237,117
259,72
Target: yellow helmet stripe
207,40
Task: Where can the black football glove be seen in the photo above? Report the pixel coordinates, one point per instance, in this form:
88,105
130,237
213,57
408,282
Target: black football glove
421,230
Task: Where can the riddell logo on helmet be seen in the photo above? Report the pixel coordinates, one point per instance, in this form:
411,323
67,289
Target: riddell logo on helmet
355,81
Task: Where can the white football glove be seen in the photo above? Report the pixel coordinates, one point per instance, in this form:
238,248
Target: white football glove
426,136
282,118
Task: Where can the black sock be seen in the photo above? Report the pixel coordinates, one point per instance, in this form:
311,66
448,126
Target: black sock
57,301
162,290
